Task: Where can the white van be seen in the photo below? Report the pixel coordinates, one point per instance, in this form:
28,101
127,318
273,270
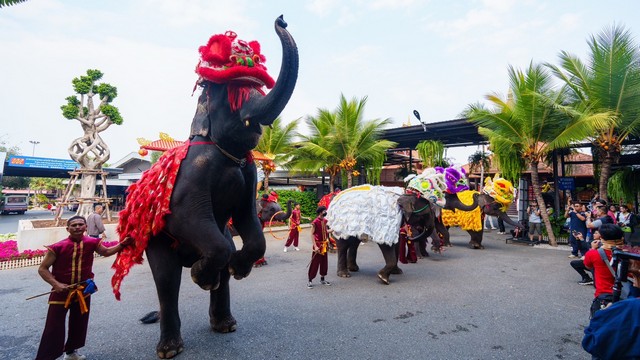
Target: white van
14,203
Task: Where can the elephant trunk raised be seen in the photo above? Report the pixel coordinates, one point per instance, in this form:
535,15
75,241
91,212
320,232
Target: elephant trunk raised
266,109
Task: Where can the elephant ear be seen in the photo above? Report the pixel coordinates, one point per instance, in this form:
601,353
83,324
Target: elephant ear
406,203
200,124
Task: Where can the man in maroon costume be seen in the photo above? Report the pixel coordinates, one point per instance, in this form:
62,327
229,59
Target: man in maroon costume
406,246
294,228
319,256
71,263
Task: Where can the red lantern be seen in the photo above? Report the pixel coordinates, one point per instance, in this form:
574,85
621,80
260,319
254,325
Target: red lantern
143,152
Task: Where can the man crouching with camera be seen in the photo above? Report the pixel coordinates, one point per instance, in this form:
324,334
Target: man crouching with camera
614,333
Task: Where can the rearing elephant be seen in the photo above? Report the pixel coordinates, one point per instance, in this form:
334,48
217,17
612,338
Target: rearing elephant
179,210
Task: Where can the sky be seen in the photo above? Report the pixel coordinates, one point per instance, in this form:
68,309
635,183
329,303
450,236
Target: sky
436,57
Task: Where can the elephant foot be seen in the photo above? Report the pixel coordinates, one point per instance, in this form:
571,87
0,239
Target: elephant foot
343,273
169,348
206,280
225,325
239,266
354,268
397,271
384,278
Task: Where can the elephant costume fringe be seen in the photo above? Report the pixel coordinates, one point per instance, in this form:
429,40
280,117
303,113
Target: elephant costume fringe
147,204
367,210
466,220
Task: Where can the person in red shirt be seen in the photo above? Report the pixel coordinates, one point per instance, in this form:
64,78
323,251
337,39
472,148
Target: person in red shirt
611,236
294,228
319,260
71,263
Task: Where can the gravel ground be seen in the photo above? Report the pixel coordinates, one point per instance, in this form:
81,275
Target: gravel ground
509,301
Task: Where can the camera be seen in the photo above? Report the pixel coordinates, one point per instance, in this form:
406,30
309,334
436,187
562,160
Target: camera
620,262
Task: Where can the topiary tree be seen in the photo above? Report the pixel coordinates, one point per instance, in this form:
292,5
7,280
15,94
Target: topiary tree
89,150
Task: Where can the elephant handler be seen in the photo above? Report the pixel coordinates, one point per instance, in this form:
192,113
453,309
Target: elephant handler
319,258
71,263
294,228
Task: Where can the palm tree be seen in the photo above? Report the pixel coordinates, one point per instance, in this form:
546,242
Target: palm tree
608,82
315,152
533,123
10,2
341,140
479,160
276,143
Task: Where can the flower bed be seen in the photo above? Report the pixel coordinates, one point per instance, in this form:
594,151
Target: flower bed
9,250
10,258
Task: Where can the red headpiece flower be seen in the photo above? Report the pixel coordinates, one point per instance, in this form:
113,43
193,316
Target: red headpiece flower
226,59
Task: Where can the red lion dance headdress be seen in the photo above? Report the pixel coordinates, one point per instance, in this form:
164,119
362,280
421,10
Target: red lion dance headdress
228,60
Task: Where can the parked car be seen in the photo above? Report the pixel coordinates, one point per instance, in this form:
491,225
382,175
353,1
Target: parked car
14,203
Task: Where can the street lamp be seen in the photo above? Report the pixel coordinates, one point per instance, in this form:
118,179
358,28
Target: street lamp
417,115
34,142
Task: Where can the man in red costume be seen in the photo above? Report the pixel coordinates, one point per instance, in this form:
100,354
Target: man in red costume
294,229
71,263
320,239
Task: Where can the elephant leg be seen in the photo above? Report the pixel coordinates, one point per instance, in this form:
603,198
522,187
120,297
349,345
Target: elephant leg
396,270
443,232
167,270
476,239
352,254
220,316
216,253
389,254
343,246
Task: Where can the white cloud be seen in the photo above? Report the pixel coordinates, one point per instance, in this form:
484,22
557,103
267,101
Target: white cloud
322,7
195,12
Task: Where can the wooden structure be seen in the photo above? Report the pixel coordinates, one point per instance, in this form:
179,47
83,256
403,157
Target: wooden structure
66,198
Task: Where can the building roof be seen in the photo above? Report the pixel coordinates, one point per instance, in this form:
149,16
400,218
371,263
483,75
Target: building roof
452,133
582,168
165,144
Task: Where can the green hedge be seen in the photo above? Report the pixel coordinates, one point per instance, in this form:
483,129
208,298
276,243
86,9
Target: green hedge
307,199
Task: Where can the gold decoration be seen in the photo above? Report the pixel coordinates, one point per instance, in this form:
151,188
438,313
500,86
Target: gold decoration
143,141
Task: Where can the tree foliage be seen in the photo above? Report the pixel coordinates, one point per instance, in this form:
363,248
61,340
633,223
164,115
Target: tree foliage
4,3
608,82
276,143
532,122
342,140
90,150
431,152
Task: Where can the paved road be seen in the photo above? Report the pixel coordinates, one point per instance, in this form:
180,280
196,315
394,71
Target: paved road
508,301
9,223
